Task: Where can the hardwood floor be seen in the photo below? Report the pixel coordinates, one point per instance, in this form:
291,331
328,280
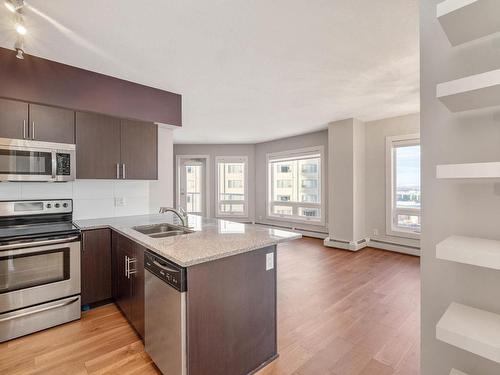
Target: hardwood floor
339,313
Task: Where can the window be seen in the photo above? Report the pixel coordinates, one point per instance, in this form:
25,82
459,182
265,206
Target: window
194,185
294,186
232,199
403,186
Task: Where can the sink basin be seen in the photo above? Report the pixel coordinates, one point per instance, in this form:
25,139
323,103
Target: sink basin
162,230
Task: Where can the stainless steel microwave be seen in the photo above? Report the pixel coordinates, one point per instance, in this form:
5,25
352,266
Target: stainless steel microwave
26,160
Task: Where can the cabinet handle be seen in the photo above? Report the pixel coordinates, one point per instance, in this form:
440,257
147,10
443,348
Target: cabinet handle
126,266
33,130
117,171
123,170
24,129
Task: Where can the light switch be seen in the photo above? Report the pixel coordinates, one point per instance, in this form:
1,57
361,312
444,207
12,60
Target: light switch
269,261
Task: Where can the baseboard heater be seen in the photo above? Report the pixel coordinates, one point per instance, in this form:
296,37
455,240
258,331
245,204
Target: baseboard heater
306,232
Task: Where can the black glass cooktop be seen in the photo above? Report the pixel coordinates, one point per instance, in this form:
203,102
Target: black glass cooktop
18,232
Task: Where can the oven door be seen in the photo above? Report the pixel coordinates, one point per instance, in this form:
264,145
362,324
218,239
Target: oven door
22,160
44,271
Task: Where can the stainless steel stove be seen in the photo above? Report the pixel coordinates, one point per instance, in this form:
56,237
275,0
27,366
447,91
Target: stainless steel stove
39,266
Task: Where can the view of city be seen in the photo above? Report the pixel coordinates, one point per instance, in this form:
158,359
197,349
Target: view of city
407,183
296,188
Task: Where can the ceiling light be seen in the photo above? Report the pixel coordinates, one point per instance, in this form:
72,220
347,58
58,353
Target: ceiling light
14,5
19,47
20,28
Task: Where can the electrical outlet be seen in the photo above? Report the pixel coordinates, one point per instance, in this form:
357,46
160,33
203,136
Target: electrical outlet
120,201
269,261
375,232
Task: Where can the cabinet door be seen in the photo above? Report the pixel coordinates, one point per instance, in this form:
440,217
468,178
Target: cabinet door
137,301
13,119
51,124
139,150
97,146
122,287
96,266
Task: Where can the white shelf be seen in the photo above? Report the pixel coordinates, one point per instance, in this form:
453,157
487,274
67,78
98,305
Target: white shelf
473,92
476,331
468,170
466,20
470,250
456,372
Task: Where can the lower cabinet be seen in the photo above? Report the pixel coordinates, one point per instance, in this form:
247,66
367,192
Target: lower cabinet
96,266
128,279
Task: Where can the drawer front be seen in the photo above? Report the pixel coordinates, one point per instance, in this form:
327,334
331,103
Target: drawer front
25,321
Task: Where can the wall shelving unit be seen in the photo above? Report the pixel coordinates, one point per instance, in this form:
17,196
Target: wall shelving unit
466,20
474,330
470,250
473,92
468,170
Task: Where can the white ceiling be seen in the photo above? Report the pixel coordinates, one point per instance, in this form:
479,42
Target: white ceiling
248,70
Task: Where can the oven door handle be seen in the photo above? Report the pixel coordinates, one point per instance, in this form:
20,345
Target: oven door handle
23,245
14,315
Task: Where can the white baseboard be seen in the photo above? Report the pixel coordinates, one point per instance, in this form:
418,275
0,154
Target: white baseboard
391,246
346,245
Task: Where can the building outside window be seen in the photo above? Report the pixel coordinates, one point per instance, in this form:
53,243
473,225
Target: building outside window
294,186
232,196
403,186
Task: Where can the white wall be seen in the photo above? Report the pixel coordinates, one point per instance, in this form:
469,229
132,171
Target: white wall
375,176
222,150
97,198
161,192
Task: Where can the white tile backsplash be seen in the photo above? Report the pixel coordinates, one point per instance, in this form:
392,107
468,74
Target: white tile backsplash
92,198
93,189
46,190
10,190
137,189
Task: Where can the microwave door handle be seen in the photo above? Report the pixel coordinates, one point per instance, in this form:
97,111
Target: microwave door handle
54,165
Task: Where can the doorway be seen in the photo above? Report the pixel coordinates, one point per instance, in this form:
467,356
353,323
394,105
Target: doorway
192,184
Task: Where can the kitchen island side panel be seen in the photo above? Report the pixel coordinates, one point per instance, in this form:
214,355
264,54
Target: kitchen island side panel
231,314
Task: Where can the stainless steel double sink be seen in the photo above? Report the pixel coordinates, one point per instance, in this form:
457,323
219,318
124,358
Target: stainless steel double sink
162,230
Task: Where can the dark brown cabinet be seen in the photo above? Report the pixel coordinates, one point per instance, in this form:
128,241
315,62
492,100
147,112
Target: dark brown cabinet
110,148
96,266
139,155
50,124
128,279
36,122
97,146
13,119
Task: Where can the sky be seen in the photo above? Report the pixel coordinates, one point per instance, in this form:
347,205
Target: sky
408,166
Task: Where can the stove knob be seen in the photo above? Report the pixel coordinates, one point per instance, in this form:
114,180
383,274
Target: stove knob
65,205
57,205
49,205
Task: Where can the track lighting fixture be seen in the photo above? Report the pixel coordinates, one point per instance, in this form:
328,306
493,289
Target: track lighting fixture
20,28
14,5
19,47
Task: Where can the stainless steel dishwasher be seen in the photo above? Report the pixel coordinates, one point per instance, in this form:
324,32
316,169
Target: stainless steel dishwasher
165,309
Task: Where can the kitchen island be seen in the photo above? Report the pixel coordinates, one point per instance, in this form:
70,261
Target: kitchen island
230,296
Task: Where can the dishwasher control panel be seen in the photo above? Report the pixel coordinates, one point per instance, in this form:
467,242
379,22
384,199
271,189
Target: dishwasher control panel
165,270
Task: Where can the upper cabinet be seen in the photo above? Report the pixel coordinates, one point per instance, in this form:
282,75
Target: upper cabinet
21,120
139,154
13,119
50,124
110,148
97,146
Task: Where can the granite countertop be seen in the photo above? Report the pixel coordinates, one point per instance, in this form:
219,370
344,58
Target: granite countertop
212,239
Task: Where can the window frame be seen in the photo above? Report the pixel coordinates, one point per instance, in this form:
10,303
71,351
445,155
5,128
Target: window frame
218,201
392,211
294,155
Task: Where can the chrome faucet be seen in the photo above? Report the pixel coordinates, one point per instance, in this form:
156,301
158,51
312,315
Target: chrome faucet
181,213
